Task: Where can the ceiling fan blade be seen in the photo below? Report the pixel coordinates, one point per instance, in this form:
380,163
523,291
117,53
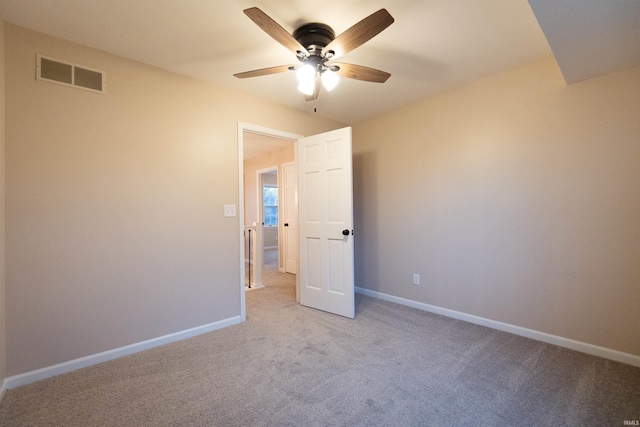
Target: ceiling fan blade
316,91
263,72
360,72
359,34
274,29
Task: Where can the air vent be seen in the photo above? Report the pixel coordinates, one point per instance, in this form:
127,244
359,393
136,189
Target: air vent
55,71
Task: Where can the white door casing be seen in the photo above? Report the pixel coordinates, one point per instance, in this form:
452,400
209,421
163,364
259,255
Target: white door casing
325,211
290,217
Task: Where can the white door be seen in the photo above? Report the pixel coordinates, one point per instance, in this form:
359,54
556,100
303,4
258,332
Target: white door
290,212
325,206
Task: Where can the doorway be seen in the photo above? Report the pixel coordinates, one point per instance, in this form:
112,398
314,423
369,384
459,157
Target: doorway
269,215
325,214
254,141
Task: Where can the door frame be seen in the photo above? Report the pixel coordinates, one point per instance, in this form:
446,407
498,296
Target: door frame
261,130
285,203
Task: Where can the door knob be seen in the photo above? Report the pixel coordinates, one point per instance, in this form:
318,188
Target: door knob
286,224
345,232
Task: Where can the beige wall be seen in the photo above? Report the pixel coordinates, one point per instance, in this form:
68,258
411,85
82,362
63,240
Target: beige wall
515,198
270,237
114,203
251,167
3,351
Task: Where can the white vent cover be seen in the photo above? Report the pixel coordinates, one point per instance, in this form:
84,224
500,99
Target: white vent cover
64,73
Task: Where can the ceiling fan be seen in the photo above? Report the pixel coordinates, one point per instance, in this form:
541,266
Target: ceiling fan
315,45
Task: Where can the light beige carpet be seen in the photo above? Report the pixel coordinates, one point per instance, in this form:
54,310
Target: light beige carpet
288,365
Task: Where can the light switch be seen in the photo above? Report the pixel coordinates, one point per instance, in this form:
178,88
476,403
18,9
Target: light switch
229,211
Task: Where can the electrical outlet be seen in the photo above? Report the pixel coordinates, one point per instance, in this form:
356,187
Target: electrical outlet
416,279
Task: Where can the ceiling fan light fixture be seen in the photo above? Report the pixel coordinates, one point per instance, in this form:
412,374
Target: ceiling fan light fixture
330,80
315,44
307,87
306,73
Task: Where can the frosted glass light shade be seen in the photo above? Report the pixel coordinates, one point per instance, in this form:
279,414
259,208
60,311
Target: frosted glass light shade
306,76
306,73
307,87
329,80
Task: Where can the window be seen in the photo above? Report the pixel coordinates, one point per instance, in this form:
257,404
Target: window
270,198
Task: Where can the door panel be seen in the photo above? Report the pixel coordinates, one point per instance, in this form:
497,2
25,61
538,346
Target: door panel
313,207
313,267
325,210
336,266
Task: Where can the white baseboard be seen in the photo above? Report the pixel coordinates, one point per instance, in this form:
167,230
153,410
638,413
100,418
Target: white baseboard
583,347
83,362
3,389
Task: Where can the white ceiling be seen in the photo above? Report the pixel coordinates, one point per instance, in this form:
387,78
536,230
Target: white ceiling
591,37
255,144
433,45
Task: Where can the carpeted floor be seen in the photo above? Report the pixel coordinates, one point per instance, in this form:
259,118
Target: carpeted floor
289,365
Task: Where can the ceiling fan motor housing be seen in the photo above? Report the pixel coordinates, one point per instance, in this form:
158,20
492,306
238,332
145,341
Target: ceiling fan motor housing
314,37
